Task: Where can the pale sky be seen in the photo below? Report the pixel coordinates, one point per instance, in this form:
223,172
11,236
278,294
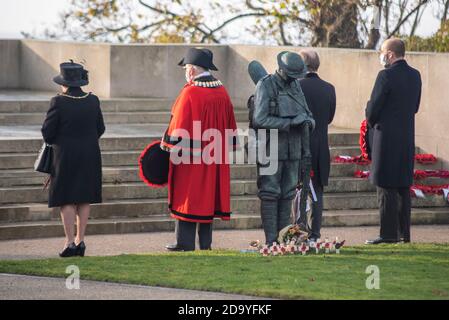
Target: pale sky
28,15
34,15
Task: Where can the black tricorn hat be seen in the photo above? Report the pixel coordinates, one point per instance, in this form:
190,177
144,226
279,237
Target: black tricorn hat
154,164
72,75
199,57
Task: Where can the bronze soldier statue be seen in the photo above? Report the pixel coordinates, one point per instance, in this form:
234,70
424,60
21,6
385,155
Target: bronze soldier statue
279,104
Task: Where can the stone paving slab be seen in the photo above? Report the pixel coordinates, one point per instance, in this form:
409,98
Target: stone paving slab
20,287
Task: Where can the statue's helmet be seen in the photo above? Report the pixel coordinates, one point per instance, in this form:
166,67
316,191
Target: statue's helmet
292,64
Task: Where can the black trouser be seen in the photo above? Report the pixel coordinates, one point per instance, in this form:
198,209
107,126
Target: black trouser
395,212
185,235
317,210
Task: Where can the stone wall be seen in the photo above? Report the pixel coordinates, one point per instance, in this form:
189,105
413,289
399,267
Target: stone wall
39,61
9,63
353,73
152,71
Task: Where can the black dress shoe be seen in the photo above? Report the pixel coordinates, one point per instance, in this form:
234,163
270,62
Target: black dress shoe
381,240
405,240
174,247
81,249
70,251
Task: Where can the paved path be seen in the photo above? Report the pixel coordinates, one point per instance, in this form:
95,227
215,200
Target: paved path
19,287
102,245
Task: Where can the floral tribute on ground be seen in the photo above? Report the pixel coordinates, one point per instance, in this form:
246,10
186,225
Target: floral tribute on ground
294,241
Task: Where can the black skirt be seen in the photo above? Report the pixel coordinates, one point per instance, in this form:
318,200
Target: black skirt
76,176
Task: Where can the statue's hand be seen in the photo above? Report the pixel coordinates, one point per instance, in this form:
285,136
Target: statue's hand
311,122
300,119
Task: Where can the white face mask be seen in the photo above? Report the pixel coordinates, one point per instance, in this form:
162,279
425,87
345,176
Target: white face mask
383,60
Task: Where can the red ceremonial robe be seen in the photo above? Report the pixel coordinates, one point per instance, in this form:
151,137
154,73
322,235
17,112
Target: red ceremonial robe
199,192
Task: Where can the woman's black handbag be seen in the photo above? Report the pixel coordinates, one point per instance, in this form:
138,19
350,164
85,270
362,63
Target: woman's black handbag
44,159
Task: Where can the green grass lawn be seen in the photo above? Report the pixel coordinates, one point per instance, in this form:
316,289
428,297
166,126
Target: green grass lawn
406,272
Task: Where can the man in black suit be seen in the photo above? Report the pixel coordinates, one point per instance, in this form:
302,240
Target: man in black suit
320,97
391,115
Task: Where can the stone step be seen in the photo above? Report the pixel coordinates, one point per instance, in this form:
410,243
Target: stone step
113,175
348,169
158,223
368,200
243,204
107,105
133,208
127,191
370,217
41,105
114,158
139,190
26,160
126,174
25,145
123,174
12,119
351,184
119,143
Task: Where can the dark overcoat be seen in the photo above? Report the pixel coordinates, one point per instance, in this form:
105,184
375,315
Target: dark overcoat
320,97
73,126
391,113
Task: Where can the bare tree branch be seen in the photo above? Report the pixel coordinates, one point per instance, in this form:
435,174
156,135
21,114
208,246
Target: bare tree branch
416,21
285,42
207,35
445,11
404,19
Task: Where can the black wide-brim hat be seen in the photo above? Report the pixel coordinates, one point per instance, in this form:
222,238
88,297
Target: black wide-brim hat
154,165
199,57
292,64
72,75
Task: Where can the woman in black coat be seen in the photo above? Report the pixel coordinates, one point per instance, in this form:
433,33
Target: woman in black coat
73,126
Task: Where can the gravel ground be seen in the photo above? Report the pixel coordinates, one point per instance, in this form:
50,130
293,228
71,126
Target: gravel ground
102,245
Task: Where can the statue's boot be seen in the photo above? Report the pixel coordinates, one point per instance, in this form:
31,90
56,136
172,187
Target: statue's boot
284,213
269,212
